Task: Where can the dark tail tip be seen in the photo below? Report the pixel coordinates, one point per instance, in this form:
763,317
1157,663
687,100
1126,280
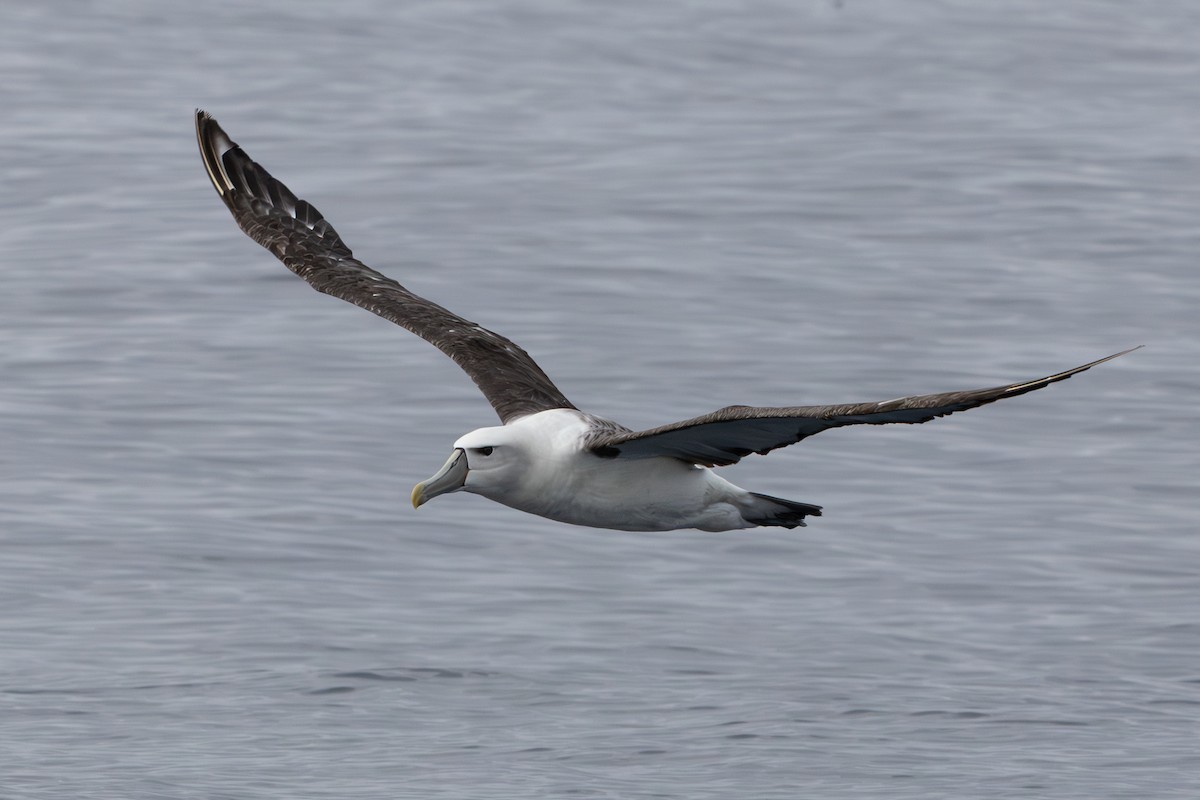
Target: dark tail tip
776,511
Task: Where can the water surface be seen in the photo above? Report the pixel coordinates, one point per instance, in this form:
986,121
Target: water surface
214,586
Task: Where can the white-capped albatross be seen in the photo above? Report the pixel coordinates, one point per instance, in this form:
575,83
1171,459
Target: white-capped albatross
547,457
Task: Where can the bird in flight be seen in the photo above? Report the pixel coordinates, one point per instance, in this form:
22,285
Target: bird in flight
547,457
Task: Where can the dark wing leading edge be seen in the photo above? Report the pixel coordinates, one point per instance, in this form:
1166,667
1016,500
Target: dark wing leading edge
309,246
724,437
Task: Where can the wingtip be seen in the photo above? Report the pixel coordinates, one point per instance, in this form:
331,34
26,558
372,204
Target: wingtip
1022,388
1116,355
213,143
202,117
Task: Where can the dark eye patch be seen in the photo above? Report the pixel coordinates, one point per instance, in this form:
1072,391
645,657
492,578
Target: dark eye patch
485,451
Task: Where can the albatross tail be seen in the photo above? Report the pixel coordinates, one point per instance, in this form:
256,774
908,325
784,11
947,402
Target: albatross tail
763,509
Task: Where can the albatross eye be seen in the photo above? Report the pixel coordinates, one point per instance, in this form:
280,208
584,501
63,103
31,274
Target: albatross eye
485,451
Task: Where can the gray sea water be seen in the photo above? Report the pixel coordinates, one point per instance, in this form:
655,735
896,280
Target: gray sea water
212,584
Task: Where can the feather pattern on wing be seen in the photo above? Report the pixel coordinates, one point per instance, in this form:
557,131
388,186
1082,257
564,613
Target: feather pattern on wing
307,244
728,435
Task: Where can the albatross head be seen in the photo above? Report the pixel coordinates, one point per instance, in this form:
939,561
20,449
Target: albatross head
487,461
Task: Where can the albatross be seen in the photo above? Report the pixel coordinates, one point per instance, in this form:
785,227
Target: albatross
547,457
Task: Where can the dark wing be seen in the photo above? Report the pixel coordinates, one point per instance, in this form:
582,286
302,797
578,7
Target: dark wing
724,437
309,246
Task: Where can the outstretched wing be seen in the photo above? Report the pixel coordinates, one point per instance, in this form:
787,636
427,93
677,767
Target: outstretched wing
309,246
726,436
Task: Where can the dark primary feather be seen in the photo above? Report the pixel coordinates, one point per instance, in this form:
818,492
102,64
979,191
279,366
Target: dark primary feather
726,436
300,237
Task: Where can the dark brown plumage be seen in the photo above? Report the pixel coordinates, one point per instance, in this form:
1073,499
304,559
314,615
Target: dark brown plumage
308,245
726,436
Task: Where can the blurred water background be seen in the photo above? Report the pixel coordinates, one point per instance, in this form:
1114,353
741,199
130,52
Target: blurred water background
212,583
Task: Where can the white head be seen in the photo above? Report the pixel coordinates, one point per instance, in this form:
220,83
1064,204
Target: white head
487,461
530,463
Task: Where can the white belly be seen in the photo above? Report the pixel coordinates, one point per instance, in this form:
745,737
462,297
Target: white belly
652,494
551,473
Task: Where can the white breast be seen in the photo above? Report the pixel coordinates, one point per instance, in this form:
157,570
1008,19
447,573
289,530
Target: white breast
563,481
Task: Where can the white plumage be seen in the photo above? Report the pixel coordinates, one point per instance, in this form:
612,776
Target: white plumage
542,464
